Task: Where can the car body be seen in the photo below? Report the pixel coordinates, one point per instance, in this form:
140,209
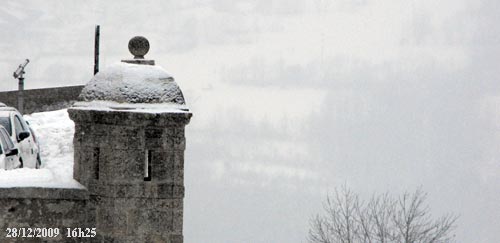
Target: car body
22,136
9,155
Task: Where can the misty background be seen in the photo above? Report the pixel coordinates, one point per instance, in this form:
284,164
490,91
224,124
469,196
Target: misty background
292,98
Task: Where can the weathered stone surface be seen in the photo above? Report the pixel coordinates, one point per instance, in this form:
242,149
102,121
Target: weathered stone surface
140,218
176,239
44,208
130,118
177,220
43,193
138,46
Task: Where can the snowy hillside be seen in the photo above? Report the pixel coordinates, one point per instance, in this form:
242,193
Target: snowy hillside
54,132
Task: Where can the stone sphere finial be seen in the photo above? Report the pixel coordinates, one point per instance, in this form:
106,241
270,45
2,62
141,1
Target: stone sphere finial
138,46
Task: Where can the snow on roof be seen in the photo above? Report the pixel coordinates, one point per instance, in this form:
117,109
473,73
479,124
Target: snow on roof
5,113
132,83
7,108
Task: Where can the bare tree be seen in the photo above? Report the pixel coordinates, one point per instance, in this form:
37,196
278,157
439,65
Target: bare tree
384,219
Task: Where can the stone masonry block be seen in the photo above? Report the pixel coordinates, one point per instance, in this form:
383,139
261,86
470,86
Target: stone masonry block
121,165
162,166
177,217
111,220
145,221
176,238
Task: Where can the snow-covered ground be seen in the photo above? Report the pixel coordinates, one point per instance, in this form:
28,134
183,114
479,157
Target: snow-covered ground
54,132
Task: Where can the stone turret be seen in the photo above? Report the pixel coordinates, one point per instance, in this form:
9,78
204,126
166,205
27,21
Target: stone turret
129,150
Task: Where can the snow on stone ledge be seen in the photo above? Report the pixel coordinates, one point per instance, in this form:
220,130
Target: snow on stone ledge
132,107
54,131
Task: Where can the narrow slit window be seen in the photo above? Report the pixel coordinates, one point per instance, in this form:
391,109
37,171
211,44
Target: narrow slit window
147,165
97,152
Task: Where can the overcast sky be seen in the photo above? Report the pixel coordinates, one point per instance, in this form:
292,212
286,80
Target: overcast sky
292,98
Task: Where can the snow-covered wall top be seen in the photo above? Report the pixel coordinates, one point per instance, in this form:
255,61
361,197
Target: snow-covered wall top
133,83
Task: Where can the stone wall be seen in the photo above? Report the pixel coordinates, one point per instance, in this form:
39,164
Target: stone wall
31,207
112,152
48,99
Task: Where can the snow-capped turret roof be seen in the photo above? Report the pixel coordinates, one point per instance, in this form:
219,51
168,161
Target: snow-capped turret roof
133,81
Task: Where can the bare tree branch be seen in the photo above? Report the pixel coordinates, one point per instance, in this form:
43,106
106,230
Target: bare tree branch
383,219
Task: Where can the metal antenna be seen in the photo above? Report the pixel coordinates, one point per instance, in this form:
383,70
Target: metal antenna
19,74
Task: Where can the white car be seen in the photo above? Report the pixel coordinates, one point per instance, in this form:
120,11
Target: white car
22,136
9,155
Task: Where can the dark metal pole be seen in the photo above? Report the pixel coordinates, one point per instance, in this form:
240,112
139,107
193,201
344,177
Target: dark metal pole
20,96
96,49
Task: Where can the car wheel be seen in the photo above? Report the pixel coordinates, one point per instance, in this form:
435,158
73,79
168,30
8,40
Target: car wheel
38,162
21,161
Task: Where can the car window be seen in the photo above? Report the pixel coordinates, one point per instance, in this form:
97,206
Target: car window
8,143
3,142
5,122
33,134
18,125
